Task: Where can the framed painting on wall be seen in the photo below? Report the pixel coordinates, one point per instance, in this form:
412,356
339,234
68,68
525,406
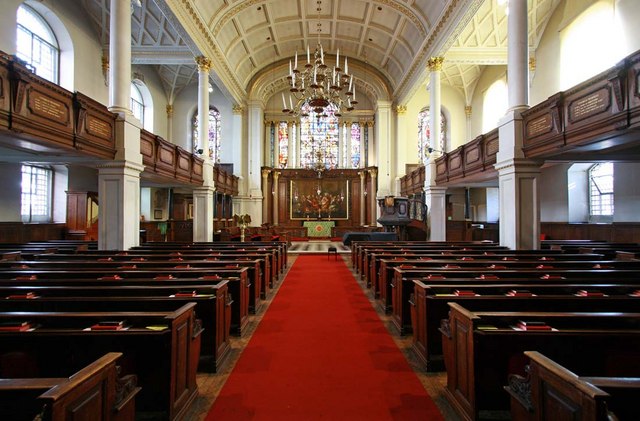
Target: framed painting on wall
319,199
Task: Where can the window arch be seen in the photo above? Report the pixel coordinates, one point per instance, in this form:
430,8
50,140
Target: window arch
601,190
494,105
142,104
37,44
424,134
214,133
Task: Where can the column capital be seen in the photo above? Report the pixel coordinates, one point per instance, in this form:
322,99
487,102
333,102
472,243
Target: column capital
362,174
434,64
169,110
369,123
373,172
468,109
532,64
276,175
204,63
265,172
401,109
237,109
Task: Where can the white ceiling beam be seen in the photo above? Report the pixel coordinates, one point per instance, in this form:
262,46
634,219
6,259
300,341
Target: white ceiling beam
477,55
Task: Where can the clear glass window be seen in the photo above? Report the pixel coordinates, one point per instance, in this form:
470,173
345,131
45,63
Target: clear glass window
36,44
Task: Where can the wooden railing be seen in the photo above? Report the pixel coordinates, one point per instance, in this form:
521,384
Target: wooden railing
164,159
225,183
470,159
412,183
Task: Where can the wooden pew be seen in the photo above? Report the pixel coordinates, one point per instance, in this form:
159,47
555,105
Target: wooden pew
550,391
481,348
94,392
161,348
429,305
402,285
238,285
213,307
482,265
254,272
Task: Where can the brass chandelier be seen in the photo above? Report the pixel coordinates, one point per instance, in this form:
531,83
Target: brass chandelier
319,85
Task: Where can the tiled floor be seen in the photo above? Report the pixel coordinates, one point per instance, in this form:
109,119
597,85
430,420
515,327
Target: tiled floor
210,384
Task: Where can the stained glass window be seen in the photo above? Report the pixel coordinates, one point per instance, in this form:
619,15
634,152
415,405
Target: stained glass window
214,134
424,134
319,137
283,144
355,145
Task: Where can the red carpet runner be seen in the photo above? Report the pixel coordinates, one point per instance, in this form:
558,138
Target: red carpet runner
322,353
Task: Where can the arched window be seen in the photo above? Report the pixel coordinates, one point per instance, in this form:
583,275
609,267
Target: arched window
601,189
494,105
137,103
424,135
319,138
214,134
36,44
584,52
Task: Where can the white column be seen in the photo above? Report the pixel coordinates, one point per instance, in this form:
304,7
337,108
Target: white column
384,152
435,197
203,196
435,106
120,57
239,146
519,204
403,155
256,146
204,65
518,54
517,176
119,180
119,211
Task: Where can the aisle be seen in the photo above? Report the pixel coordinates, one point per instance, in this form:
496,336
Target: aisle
322,353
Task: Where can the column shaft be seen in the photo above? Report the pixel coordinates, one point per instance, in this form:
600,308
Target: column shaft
120,57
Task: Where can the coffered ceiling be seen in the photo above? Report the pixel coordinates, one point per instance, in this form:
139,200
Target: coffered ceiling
244,38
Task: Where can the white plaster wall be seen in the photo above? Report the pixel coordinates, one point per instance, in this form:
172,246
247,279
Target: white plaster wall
489,75
493,204
554,196
627,192
11,192
159,98
577,190
60,187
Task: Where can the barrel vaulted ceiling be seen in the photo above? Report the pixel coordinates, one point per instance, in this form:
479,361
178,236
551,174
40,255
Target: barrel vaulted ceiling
245,38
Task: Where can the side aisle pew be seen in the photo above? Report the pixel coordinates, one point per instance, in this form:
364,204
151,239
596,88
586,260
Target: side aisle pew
213,307
429,305
269,271
551,391
254,273
402,284
279,249
238,285
482,348
375,271
161,348
487,267
94,392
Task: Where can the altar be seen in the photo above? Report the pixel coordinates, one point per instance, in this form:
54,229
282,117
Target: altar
319,228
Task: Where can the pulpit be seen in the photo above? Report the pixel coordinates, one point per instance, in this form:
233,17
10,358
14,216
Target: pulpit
394,215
